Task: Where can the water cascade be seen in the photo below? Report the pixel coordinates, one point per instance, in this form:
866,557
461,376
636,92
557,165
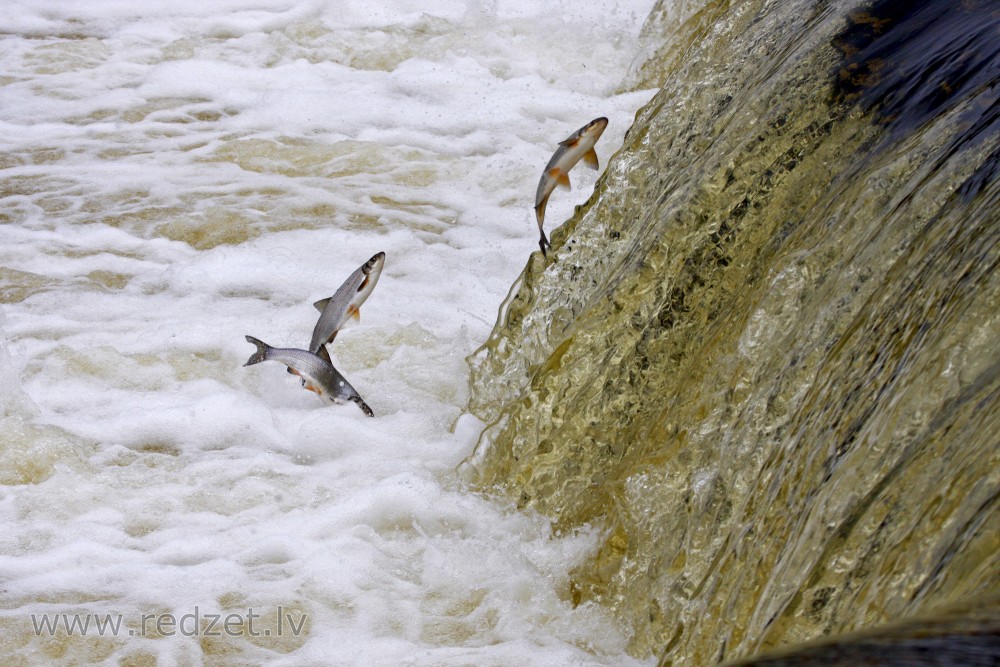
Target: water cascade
764,356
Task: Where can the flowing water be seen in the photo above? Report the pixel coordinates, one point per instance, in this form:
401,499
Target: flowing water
178,174
765,358
750,399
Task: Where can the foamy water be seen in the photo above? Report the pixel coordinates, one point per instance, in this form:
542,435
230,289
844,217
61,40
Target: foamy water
178,174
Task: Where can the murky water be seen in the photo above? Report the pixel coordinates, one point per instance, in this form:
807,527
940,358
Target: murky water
177,175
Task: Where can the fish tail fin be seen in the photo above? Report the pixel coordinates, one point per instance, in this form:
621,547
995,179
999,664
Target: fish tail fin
361,404
261,353
543,243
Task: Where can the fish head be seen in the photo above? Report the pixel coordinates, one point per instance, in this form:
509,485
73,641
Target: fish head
586,137
374,264
594,129
372,270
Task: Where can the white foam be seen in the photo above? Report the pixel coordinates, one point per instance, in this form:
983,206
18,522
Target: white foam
151,471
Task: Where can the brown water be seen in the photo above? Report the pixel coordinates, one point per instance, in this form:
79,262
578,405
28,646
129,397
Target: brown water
765,356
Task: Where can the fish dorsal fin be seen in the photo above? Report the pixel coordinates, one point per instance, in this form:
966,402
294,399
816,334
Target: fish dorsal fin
324,354
590,159
321,304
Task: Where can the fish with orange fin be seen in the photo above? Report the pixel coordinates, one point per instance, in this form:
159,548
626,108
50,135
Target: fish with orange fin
345,304
318,374
579,146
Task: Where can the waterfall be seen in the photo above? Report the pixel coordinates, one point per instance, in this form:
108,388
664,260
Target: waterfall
763,357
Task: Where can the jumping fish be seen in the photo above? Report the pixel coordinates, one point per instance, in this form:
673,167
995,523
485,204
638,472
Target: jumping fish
345,304
318,374
579,145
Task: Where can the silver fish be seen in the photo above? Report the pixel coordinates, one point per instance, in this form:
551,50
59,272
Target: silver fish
580,145
345,304
318,374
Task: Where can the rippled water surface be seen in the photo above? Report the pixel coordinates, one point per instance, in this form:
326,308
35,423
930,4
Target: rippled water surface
177,175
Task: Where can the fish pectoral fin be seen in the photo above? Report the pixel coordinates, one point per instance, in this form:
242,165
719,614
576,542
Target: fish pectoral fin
590,159
321,304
